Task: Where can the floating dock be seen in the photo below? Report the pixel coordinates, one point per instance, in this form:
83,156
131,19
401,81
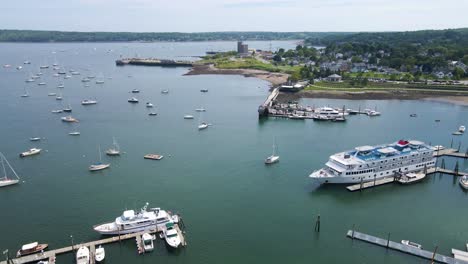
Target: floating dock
153,62
51,254
404,248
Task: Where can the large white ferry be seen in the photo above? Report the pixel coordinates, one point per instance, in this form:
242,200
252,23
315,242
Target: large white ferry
367,163
131,222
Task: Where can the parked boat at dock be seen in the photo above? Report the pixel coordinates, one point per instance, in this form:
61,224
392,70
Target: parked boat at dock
464,184
148,244
100,254
31,248
411,244
82,255
171,236
411,177
367,163
132,222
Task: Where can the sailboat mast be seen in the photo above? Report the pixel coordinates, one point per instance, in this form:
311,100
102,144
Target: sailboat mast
9,165
4,170
100,158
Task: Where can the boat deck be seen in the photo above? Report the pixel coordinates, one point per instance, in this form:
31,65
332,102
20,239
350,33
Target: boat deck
403,248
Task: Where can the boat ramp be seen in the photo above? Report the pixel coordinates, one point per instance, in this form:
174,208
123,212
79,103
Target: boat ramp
51,254
387,243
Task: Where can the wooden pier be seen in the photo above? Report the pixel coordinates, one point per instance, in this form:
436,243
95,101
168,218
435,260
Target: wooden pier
51,254
387,180
404,248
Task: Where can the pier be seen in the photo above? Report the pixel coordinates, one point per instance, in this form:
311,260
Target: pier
51,254
387,243
153,62
264,108
450,152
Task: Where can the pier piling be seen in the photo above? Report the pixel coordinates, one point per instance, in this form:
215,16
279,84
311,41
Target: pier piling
317,224
388,240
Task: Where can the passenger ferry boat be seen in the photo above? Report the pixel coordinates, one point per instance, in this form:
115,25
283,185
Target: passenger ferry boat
367,163
132,222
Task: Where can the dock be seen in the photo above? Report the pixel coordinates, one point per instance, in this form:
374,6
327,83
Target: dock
451,153
51,254
404,248
263,108
153,62
392,179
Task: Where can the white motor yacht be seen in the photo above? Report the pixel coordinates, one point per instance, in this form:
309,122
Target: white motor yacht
149,105
203,125
132,222
100,254
188,117
69,119
464,182
31,152
148,244
82,255
89,102
171,236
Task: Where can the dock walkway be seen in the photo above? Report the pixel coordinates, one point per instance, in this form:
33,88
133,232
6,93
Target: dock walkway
451,153
403,248
52,253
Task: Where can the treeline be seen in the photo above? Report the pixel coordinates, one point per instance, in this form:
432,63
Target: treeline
65,36
428,49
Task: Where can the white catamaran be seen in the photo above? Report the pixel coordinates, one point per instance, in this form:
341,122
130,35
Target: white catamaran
5,181
367,163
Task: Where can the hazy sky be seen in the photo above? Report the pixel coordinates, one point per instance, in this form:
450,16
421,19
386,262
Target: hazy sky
233,15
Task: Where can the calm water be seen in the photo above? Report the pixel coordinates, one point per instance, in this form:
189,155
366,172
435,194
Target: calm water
236,209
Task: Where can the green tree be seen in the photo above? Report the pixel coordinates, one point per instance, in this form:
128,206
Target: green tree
458,73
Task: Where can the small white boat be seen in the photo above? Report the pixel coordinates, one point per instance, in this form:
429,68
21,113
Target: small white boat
31,152
82,255
203,125
58,111
99,81
165,91
373,113
464,183
69,119
133,100
201,109
204,90
171,236
153,114
61,86
26,62
135,91
74,133
85,80
75,73
56,75
44,66
438,147
149,105
462,129
411,244
114,150
41,83
273,158
35,139
89,102
412,177
100,254
68,109
19,67
25,95
5,181
67,77
91,77
30,80
58,97
52,94
99,165
147,242
188,116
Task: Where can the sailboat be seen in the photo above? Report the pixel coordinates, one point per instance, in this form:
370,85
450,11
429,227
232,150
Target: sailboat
5,181
202,125
25,93
274,157
114,150
67,109
99,166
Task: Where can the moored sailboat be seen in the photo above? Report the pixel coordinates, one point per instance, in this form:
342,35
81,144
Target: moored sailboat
5,181
99,165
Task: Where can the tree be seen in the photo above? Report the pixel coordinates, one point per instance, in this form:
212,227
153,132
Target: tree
356,59
458,73
277,58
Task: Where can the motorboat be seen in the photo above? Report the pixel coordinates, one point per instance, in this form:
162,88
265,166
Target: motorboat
69,119
44,66
114,150
31,152
5,180
30,80
75,73
147,240
99,165
135,91
85,80
372,113
100,254
464,182
26,62
132,221
296,117
171,236
52,94
133,100
61,86
165,91
57,111
152,114
153,156
59,97
149,105
41,83
99,82
91,76
413,115
82,255
204,90
462,129
74,133
188,117
201,109
411,177
203,125
34,138
273,158
411,244
31,248
321,118
19,67
89,102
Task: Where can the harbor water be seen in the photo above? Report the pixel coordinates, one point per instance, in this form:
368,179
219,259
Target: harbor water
236,209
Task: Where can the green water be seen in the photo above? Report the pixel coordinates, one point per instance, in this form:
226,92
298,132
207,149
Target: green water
236,209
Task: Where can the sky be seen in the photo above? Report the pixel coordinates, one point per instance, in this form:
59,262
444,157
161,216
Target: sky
233,15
